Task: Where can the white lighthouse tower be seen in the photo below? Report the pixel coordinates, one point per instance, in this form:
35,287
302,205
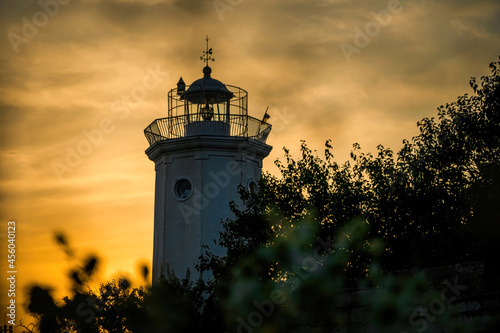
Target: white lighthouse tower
206,147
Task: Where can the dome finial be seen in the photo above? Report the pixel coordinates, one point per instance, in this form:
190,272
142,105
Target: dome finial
207,71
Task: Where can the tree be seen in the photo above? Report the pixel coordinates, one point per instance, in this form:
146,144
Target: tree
425,202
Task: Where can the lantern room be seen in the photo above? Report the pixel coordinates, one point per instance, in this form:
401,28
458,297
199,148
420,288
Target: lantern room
207,107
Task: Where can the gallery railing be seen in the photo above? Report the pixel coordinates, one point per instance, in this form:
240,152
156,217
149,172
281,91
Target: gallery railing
191,125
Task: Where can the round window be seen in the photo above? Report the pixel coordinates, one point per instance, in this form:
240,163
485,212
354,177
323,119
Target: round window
182,189
252,187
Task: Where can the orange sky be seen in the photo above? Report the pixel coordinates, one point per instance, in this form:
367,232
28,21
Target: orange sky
327,69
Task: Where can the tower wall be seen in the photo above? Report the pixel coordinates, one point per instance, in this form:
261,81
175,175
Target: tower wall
214,166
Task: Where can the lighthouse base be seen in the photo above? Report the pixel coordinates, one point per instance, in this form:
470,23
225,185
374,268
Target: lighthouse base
207,128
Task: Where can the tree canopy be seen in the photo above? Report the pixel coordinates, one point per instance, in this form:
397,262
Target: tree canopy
432,202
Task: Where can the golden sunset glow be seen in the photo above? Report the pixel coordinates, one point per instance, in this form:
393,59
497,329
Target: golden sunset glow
81,80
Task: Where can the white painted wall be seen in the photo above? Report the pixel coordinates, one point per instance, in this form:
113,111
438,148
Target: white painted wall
215,166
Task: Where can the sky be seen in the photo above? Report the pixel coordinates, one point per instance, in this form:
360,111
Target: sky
81,79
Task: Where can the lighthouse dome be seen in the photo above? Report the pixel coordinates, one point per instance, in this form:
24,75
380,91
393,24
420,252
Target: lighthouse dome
207,89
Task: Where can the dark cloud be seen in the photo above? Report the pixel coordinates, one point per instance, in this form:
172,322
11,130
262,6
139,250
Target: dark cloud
195,7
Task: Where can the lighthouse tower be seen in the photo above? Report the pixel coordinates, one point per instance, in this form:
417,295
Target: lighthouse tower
203,151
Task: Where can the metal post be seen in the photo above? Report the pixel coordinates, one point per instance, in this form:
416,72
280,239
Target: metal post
186,111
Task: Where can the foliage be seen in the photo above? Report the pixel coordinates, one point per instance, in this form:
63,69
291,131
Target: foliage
425,202
311,294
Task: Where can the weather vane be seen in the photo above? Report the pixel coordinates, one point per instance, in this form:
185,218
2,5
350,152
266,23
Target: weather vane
207,55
